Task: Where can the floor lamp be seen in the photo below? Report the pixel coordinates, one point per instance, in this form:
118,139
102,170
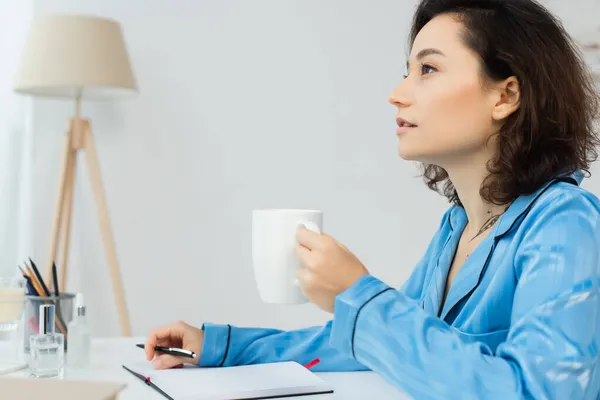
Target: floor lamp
78,58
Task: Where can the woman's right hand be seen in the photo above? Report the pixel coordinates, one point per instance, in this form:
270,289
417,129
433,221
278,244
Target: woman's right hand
178,334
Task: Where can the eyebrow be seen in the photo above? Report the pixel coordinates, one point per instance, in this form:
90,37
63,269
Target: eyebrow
424,53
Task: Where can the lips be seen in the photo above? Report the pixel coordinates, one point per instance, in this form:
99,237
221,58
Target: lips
404,125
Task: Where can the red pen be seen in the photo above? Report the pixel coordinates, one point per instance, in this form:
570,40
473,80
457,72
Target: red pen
312,363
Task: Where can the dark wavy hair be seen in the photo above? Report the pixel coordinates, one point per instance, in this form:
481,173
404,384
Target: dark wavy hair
552,132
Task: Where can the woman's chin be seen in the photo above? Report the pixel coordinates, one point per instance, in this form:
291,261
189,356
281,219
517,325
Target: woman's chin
424,154
410,154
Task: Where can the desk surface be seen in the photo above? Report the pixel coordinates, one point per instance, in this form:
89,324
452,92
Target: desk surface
109,354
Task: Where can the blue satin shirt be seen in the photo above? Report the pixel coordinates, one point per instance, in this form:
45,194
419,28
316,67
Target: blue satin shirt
521,319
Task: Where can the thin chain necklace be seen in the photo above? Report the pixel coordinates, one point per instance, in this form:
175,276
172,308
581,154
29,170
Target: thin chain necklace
487,224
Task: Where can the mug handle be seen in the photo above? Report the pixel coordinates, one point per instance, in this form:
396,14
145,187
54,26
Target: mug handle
311,226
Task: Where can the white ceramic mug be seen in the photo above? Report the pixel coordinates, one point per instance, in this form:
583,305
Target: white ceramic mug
274,252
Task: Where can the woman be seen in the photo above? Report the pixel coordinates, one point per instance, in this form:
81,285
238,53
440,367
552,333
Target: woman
498,107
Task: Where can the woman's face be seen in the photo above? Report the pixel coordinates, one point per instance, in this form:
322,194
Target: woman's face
443,95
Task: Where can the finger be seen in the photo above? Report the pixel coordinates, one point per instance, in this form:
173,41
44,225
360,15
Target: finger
341,245
166,361
309,239
303,275
168,342
160,335
305,256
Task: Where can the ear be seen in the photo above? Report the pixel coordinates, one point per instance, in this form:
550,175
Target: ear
508,95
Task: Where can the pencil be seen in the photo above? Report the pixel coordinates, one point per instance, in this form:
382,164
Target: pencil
34,281
39,278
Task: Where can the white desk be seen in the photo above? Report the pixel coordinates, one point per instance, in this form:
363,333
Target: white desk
109,354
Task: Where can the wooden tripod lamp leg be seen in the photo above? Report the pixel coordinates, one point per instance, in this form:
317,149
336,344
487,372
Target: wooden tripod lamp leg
107,238
77,143
58,214
66,225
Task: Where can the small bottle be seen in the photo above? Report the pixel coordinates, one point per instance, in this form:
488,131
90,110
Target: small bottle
47,351
80,340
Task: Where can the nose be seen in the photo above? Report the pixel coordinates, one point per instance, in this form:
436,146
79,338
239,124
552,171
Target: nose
399,96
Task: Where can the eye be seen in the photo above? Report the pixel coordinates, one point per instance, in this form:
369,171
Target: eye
427,69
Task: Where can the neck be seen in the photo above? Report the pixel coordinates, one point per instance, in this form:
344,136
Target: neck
467,179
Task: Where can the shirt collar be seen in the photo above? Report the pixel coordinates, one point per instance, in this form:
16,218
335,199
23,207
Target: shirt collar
458,216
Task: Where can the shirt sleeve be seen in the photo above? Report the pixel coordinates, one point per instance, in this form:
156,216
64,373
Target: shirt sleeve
227,345
551,351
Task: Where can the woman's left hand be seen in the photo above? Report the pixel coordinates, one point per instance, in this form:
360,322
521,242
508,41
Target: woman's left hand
329,268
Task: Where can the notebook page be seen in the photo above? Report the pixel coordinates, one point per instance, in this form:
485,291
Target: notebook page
7,368
193,383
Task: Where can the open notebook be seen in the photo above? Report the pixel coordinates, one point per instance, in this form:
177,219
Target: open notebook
8,367
259,381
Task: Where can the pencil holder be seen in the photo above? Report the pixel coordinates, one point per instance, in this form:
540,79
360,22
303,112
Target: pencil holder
64,314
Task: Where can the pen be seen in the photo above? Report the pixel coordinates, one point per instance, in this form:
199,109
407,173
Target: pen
55,281
30,288
172,351
312,363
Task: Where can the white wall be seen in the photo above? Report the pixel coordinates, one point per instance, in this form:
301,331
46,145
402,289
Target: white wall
15,139
243,105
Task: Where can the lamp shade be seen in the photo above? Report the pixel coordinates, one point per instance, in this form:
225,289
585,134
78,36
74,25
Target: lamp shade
75,55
